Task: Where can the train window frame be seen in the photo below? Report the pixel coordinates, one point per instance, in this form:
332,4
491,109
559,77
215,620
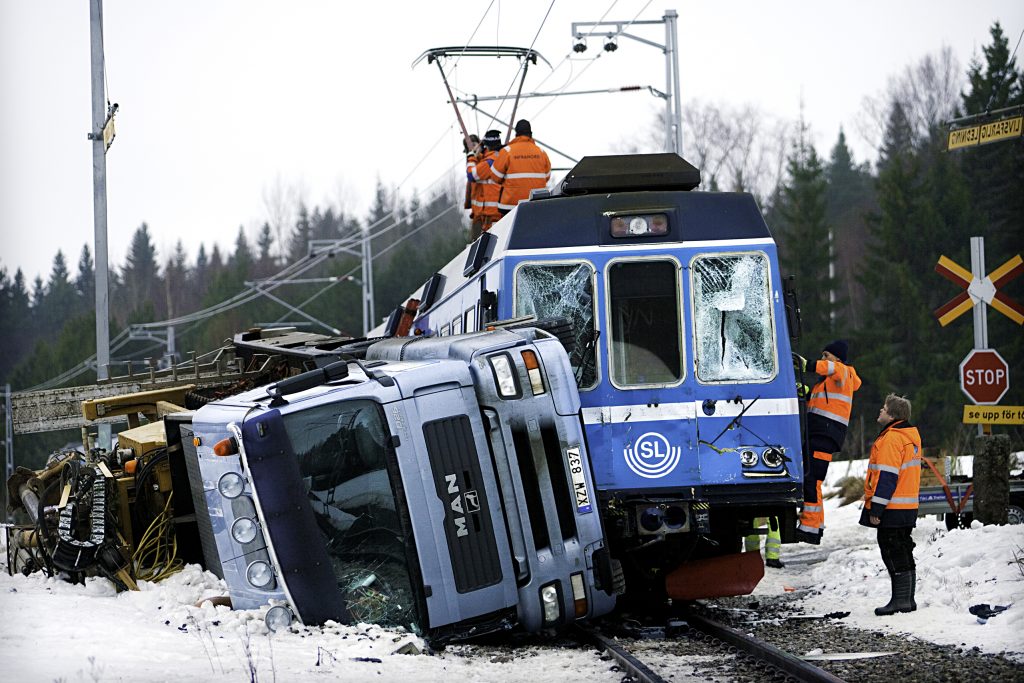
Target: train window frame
595,312
446,330
769,294
457,325
469,319
680,317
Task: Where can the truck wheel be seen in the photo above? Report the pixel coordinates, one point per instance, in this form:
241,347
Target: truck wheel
1014,514
959,521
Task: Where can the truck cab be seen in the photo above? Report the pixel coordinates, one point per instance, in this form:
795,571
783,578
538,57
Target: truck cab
441,484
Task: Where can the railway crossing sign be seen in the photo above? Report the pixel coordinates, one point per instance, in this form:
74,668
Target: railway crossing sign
984,376
980,290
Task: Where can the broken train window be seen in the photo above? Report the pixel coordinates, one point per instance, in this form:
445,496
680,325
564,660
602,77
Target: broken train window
563,290
732,318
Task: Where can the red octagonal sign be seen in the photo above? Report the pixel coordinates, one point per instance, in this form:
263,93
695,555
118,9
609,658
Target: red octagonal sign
984,376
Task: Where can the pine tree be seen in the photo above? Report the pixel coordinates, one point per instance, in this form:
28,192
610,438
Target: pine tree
141,285
849,199
265,264
805,241
85,282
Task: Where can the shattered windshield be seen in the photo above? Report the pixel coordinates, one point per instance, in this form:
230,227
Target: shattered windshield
643,299
732,318
563,290
340,448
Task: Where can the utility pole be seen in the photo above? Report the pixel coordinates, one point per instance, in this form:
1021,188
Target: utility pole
673,102
99,199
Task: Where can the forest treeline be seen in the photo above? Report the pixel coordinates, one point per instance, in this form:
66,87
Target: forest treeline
860,240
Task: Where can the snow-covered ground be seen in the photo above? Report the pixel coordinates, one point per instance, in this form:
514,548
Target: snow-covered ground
53,630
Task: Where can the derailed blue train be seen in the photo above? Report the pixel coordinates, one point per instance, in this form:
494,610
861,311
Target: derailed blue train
680,325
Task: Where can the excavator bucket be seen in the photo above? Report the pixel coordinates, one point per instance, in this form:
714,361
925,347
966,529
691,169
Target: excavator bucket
716,577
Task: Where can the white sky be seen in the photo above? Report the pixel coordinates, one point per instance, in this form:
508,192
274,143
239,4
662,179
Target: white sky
223,101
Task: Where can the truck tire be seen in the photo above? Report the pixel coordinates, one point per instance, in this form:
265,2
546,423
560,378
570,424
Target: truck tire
959,521
1014,514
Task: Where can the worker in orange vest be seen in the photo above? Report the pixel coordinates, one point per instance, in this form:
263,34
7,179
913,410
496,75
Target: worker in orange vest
828,416
891,490
470,146
520,166
486,189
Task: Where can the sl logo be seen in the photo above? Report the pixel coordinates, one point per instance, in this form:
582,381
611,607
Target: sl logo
651,456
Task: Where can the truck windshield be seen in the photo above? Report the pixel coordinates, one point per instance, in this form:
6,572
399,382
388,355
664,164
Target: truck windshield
341,453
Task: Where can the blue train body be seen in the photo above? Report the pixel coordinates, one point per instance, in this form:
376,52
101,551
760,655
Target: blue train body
682,346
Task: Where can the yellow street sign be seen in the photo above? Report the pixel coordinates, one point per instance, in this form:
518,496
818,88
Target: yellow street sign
985,133
994,415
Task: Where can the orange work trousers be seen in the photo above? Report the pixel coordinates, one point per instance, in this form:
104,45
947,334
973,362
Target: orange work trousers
812,519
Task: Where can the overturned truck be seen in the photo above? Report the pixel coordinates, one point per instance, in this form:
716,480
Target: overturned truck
442,485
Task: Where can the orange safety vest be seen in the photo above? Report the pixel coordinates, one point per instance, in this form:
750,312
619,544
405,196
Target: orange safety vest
520,166
832,397
894,470
486,189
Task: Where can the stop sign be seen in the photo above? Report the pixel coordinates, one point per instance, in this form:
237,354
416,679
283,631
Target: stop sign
984,376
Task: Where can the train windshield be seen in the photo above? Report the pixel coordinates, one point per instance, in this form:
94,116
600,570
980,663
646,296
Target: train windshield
643,300
563,290
732,318
341,453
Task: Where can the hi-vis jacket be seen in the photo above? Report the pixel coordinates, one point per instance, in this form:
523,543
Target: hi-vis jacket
894,476
832,397
486,189
520,166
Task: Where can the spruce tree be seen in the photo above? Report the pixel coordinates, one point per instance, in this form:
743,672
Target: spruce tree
805,243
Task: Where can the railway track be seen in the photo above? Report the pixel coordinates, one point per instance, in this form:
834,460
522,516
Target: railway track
696,645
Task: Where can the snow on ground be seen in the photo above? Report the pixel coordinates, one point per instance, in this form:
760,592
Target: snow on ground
55,631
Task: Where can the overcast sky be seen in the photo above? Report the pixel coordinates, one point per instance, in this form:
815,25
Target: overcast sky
225,104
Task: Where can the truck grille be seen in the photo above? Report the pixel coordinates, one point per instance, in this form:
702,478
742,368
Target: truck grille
460,488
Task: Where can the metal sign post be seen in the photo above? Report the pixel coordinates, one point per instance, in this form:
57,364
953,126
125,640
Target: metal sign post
980,292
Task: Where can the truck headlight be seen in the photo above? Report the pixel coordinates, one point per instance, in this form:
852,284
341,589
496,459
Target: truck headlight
579,594
549,603
259,574
231,485
244,530
504,375
278,618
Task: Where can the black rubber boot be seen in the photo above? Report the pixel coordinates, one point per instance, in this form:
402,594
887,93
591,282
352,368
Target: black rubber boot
913,589
902,595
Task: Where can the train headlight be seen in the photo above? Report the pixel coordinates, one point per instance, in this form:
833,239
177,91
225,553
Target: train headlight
675,516
644,225
504,375
651,519
772,457
231,485
549,603
259,574
244,530
748,457
278,618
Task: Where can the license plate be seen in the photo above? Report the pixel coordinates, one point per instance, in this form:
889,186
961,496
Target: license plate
579,481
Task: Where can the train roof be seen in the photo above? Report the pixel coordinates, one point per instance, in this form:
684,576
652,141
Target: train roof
577,214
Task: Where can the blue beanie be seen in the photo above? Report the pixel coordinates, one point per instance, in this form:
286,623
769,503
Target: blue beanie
838,349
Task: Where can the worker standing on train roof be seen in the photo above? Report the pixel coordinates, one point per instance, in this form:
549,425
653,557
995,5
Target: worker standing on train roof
470,147
486,190
521,166
828,416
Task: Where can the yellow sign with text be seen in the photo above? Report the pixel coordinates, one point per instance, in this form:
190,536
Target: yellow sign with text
985,133
994,415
